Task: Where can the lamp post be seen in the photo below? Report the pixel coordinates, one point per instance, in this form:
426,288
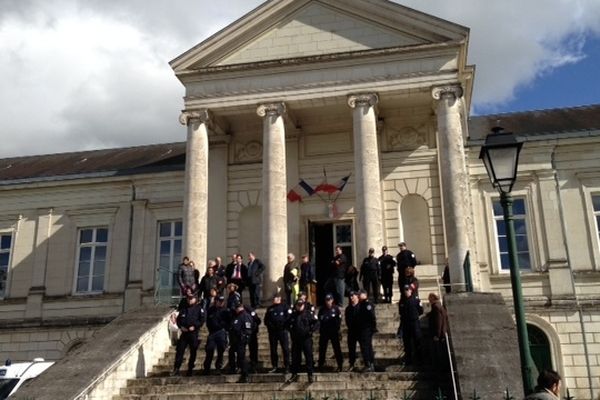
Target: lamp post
500,155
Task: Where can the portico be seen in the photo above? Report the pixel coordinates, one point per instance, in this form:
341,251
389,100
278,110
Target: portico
363,106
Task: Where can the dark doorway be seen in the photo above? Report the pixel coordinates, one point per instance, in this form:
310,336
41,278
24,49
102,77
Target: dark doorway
323,237
539,346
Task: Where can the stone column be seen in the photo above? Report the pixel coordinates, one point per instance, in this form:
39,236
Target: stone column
195,200
369,224
274,191
454,179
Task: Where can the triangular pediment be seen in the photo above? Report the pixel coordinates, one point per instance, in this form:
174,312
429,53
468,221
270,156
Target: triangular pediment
285,29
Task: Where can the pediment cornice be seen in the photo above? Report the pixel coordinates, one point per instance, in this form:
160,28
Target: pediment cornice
382,13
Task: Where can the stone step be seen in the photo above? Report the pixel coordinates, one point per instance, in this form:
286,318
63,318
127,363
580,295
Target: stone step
277,378
305,393
272,387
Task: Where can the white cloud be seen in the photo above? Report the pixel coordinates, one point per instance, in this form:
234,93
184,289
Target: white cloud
83,75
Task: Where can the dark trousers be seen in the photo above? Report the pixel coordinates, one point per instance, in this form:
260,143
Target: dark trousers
371,285
387,281
255,292
215,341
439,355
334,338
365,339
302,345
237,356
411,336
352,341
253,347
281,338
187,339
340,290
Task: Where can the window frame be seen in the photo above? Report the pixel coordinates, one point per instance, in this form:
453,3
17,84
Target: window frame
529,226
10,252
93,245
171,238
595,216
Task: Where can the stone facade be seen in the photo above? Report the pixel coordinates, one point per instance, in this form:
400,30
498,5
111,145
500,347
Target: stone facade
385,98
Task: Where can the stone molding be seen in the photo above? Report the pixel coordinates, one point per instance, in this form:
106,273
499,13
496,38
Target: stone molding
251,151
439,92
195,116
269,109
363,100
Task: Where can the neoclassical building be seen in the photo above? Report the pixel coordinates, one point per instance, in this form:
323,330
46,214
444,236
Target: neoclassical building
291,91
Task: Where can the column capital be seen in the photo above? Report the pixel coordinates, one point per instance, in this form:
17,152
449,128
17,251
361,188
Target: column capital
363,99
265,109
191,116
439,92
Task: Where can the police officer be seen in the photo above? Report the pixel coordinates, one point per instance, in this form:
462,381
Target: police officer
253,342
218,319
239,336
330,322
405,258
369,275
190,319
351,316
276,320
387,264
303,323
410,310
367,328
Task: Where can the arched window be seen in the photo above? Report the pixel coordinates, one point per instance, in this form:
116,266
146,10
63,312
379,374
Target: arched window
250,231
415,229
539,345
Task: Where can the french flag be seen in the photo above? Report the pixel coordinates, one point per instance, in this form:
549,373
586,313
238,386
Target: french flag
332,188
300,191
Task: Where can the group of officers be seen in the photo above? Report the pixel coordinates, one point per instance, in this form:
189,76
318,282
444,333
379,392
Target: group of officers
230,323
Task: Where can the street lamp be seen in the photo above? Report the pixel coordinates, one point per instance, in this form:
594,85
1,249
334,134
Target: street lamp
500,155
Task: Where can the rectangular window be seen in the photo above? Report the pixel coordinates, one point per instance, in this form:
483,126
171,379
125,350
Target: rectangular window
91,260
5,247
520,221
596,205
169,257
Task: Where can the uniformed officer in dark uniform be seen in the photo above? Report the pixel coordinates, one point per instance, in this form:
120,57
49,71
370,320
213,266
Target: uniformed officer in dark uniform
387,264
239,336
253,342
218,319
410,310
405,258
276,320
367,328
330,322
351,315
303,323
190,319
369,275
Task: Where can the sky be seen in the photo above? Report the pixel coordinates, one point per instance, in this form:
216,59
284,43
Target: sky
90,74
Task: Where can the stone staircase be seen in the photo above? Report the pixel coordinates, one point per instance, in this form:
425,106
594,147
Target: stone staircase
391,380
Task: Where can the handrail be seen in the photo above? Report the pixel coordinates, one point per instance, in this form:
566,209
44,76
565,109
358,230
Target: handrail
454,386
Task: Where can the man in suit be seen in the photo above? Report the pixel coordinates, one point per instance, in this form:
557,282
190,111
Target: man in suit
237,273
255,279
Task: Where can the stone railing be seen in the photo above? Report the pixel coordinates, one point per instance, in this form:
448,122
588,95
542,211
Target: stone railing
127,348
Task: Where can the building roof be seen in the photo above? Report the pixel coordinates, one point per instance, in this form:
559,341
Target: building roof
95,163
530,125
539,124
